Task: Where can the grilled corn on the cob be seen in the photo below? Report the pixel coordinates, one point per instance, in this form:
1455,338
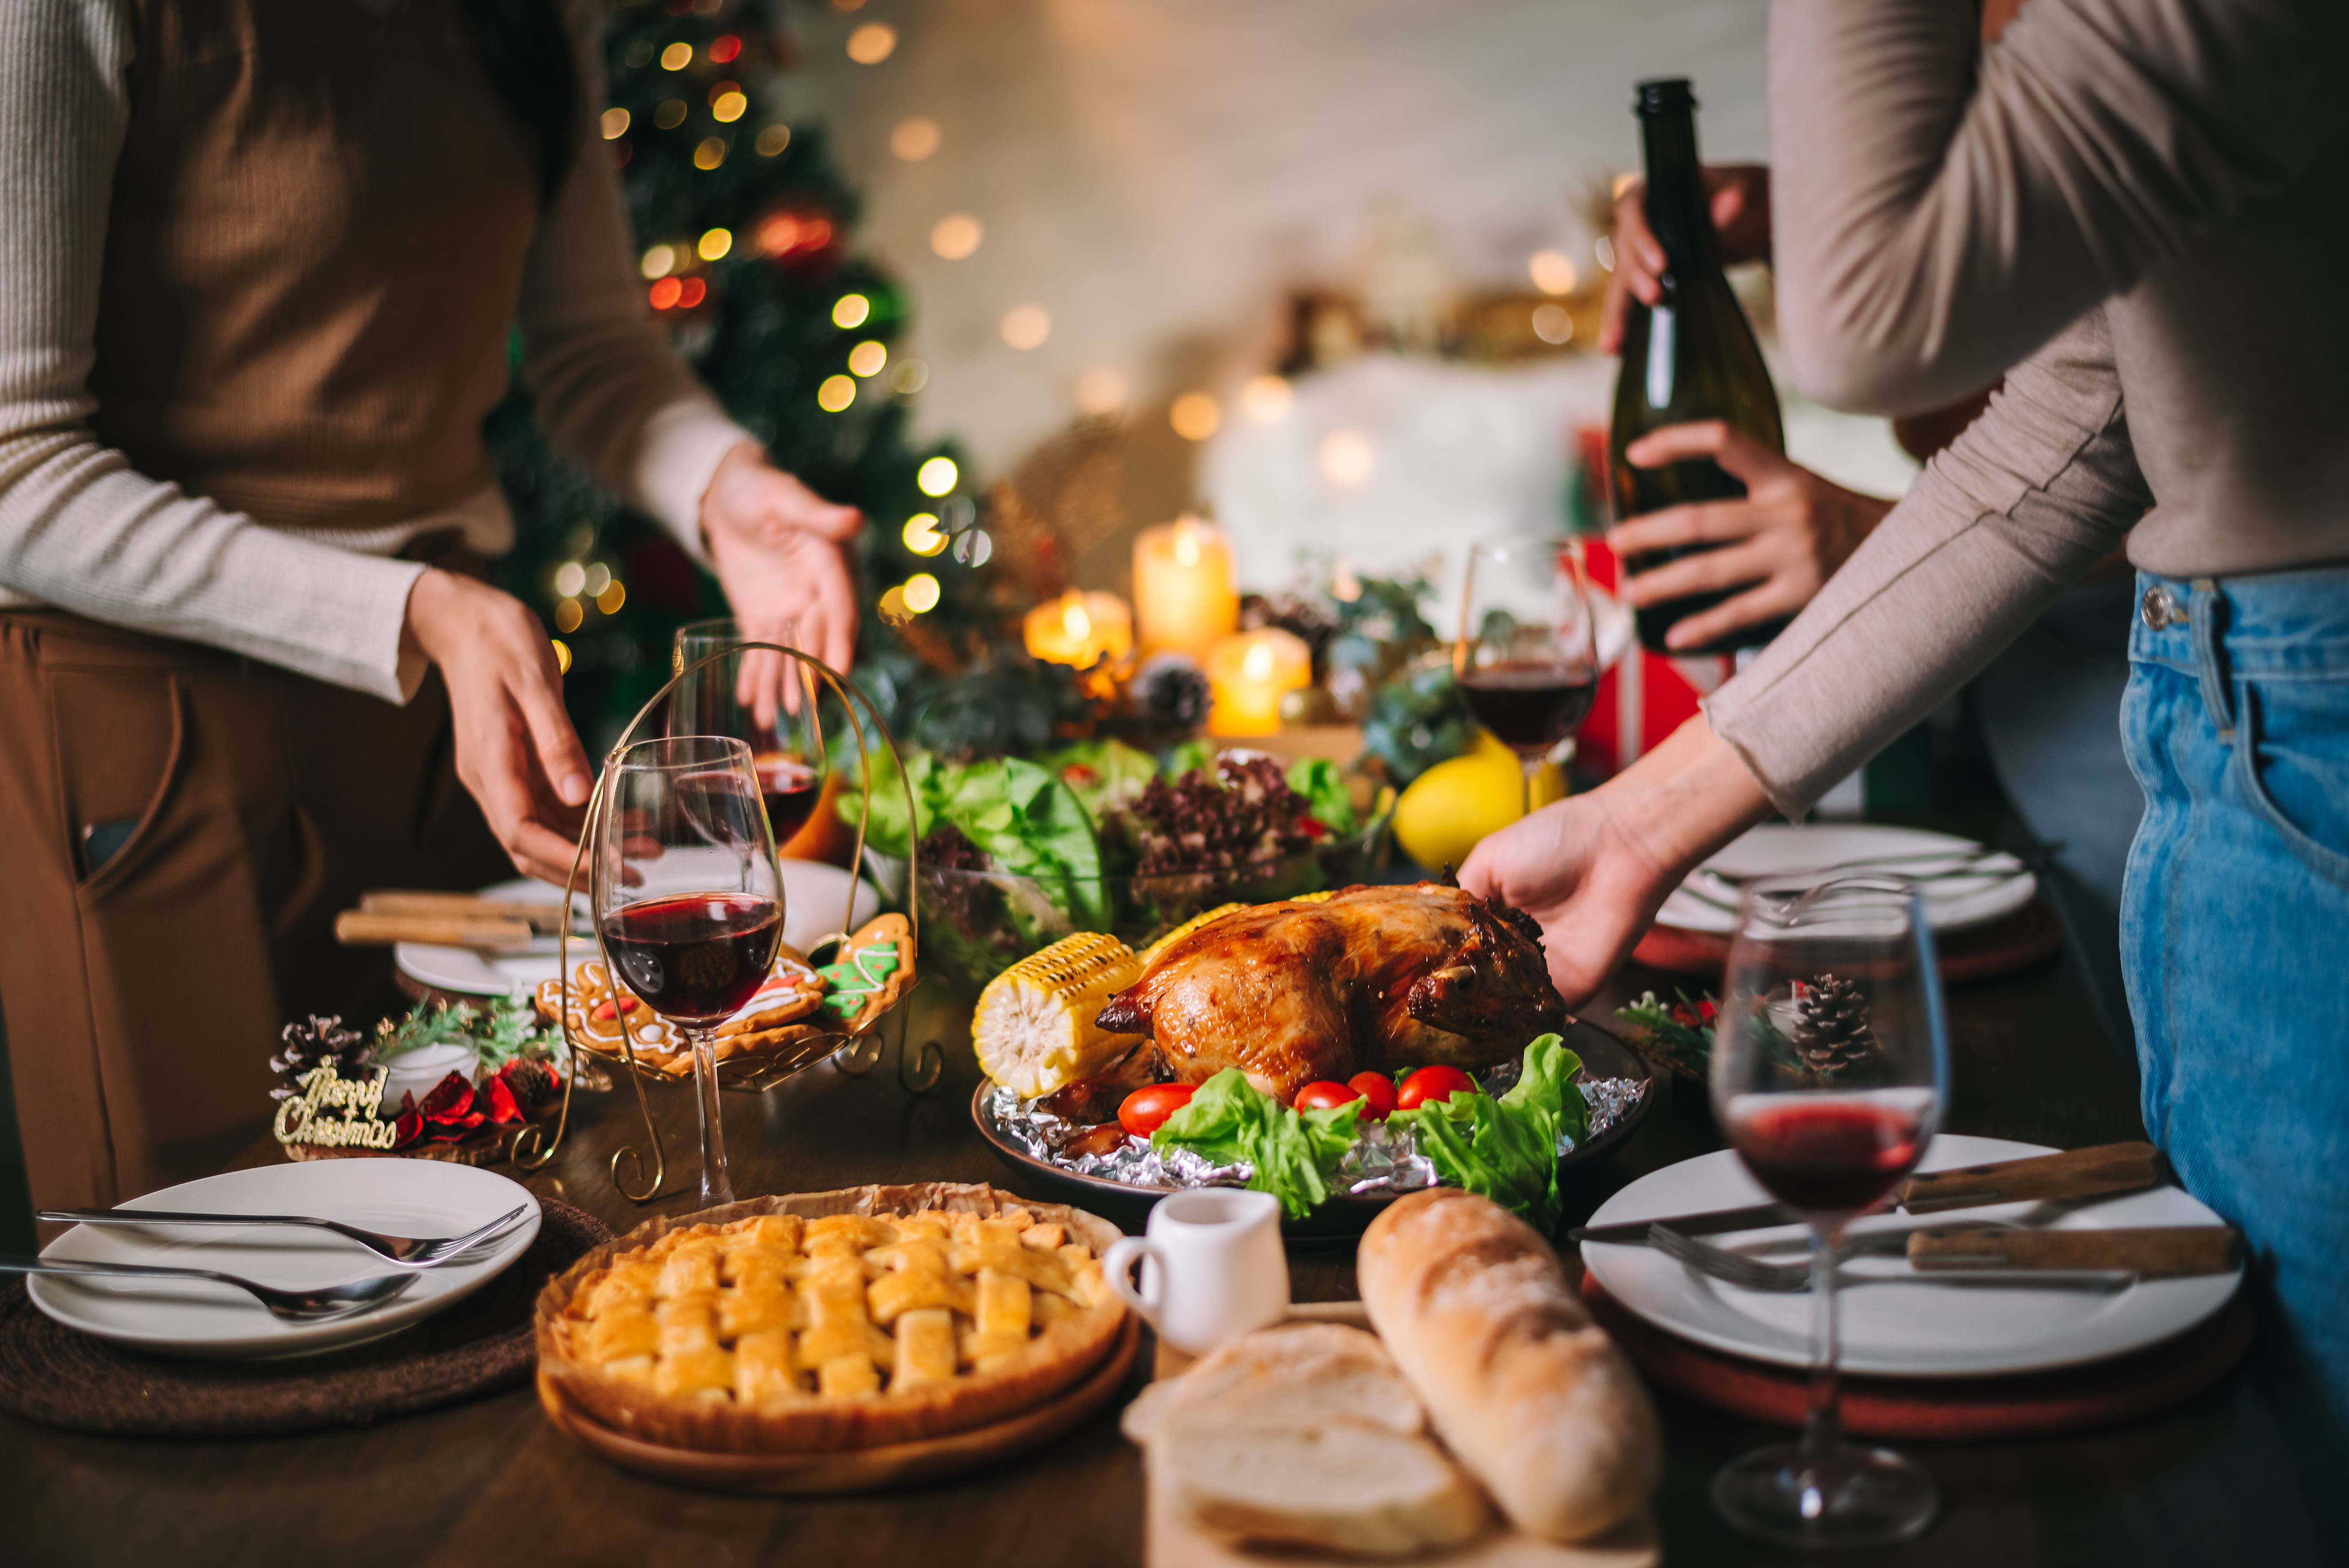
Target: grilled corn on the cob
1034,1029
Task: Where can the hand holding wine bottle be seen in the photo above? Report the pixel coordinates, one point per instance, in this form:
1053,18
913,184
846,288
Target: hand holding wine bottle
1690,356
1738,197
1777,547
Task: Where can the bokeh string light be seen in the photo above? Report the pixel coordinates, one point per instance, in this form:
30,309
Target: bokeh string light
915,138
1195,415
923,536
956,236
872,43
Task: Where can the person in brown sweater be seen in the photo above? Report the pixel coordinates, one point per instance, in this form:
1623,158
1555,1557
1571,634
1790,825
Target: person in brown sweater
263,258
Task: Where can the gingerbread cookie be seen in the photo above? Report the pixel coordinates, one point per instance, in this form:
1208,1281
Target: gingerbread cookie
791,994
601,1014
872,970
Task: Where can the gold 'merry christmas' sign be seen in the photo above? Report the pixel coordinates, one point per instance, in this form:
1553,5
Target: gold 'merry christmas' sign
312,1117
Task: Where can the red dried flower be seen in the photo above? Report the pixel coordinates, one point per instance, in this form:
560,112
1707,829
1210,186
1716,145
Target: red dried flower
450,1101
408,1126
497,1099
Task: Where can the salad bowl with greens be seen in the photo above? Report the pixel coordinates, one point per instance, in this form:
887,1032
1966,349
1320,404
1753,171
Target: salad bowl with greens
1019,853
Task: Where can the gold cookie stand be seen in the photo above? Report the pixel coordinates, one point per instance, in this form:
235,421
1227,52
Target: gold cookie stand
852,1050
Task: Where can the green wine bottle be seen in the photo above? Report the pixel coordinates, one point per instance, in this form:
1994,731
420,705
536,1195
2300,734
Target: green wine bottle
1689,356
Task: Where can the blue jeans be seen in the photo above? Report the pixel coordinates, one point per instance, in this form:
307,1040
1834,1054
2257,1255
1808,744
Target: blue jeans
2235,939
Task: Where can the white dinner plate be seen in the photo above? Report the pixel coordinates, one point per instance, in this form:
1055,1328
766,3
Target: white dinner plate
1901,1329
1993,890
200,1319
814,894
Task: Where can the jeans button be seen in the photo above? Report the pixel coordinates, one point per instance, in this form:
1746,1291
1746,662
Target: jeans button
2161,608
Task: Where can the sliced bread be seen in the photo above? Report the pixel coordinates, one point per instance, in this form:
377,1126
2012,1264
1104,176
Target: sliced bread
1342,1486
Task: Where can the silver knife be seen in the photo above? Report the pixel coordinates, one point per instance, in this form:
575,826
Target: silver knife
2105,1171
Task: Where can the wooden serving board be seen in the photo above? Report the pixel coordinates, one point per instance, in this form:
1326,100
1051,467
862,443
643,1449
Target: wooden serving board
1170,1541
851,1469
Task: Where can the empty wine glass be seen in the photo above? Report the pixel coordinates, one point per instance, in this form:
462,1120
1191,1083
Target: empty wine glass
688,903
1527,655
1831,1066
762,698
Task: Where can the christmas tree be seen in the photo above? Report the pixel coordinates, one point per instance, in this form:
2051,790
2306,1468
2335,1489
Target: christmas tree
743,229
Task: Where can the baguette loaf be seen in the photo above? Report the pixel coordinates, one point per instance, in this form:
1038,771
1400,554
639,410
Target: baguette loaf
1523,1388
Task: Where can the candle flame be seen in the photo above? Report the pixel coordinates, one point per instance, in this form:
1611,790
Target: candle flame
1257,666
1075,622
1186,542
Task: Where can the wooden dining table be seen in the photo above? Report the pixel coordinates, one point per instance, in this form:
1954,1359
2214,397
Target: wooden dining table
489,1484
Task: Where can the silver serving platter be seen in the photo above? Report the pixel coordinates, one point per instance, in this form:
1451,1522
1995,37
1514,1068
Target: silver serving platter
1345,1214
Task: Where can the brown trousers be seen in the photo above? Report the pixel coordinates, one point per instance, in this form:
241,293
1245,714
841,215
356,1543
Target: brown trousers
143,1000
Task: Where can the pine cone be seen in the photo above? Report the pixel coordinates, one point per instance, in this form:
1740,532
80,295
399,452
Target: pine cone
318,1043
1831,1025
531,1080
1171,693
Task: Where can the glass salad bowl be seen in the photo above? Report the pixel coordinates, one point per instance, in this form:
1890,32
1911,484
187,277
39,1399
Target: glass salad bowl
978,923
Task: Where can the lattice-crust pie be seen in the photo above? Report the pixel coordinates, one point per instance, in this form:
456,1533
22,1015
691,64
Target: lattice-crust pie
833,1320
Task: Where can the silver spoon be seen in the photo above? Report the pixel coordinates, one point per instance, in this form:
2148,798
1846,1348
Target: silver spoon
408,1251
1749,1272
294,1305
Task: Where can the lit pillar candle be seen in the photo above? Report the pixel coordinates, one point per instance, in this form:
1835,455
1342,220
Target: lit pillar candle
1080,629
1249,674
1183,593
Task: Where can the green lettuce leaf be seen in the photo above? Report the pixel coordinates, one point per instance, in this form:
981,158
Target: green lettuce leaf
888,828
1190,756
1324,787
1103,774
1507,1148
1031,824
1229,1119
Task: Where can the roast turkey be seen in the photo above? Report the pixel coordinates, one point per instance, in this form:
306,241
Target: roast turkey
1373,979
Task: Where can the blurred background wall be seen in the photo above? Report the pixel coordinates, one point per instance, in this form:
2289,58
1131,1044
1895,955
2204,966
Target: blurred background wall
1104,205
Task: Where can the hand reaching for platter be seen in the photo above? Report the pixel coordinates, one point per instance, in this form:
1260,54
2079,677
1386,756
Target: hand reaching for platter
780,552
516,751
1595,869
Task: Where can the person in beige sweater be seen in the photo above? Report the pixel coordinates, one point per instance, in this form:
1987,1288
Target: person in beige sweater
2135,211
263,257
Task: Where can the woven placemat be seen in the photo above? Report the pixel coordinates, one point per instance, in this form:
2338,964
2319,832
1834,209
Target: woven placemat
60,1377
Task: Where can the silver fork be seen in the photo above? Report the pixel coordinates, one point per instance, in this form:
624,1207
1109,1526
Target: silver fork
1749,1272
408,1251
294,1306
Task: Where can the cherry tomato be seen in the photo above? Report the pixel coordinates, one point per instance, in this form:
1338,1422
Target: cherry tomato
1323,1095
1145,1108
1378,1095
1431,1083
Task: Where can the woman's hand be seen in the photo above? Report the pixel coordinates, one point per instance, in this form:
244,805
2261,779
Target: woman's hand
1741,213
781,553
1781,543
1595,868
516,751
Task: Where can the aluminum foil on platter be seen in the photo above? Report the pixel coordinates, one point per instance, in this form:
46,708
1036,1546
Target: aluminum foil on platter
1384,1158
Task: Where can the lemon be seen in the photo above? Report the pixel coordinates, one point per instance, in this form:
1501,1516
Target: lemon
1453,805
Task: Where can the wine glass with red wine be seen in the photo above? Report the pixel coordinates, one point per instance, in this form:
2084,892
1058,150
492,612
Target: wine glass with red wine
689,902
1831,1068
1528,655
762,698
